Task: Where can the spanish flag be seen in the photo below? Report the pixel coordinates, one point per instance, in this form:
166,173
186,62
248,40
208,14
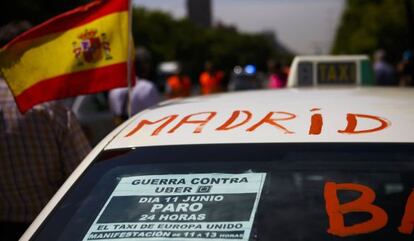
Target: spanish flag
78,52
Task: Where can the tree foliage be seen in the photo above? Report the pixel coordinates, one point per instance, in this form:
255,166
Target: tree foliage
35,11
370,25
167,38
170,39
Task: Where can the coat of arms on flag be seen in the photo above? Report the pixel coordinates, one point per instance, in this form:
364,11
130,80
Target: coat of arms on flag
92,47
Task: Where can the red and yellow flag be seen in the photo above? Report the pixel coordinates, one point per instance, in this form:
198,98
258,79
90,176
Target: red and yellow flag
79,52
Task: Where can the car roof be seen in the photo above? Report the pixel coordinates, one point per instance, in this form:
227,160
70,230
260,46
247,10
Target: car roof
359,114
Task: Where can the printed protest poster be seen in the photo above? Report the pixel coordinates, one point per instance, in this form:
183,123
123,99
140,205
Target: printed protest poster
190,207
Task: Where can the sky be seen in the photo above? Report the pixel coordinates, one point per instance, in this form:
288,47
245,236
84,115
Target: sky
304,26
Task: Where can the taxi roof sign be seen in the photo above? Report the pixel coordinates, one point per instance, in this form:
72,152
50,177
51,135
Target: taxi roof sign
331,70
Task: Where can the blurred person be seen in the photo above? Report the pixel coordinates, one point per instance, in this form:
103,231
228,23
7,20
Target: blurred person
286,70
12,29
406,69
178,84
143,95
118,104
277,75
38,151
211,79
384,72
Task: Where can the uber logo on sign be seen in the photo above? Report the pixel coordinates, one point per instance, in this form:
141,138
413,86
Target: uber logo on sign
204,189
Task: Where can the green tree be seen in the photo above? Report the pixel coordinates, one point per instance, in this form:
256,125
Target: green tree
167,38
370,25
179,39
35,11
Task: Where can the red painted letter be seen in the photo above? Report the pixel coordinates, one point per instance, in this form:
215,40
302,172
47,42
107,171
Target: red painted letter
353,122
268,120
407,223
142,123
201,123
336,210
227,125
316,123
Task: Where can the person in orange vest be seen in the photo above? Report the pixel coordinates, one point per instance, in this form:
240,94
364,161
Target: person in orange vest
178,85
211,80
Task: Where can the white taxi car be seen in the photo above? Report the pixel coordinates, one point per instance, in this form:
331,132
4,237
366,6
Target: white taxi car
288,165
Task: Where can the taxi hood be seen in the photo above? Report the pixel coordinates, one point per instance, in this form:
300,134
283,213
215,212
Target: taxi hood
276,116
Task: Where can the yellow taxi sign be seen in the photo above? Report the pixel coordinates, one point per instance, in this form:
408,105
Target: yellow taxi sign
331,70
336,73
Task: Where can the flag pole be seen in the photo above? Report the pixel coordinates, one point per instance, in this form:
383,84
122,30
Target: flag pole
129,63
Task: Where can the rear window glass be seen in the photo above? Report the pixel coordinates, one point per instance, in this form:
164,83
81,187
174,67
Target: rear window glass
242,192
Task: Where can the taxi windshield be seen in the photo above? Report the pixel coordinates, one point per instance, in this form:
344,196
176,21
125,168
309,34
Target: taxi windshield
263,192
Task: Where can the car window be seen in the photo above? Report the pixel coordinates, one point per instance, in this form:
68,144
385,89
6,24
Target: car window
241,192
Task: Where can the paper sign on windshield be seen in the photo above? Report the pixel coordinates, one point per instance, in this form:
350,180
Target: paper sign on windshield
180,207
